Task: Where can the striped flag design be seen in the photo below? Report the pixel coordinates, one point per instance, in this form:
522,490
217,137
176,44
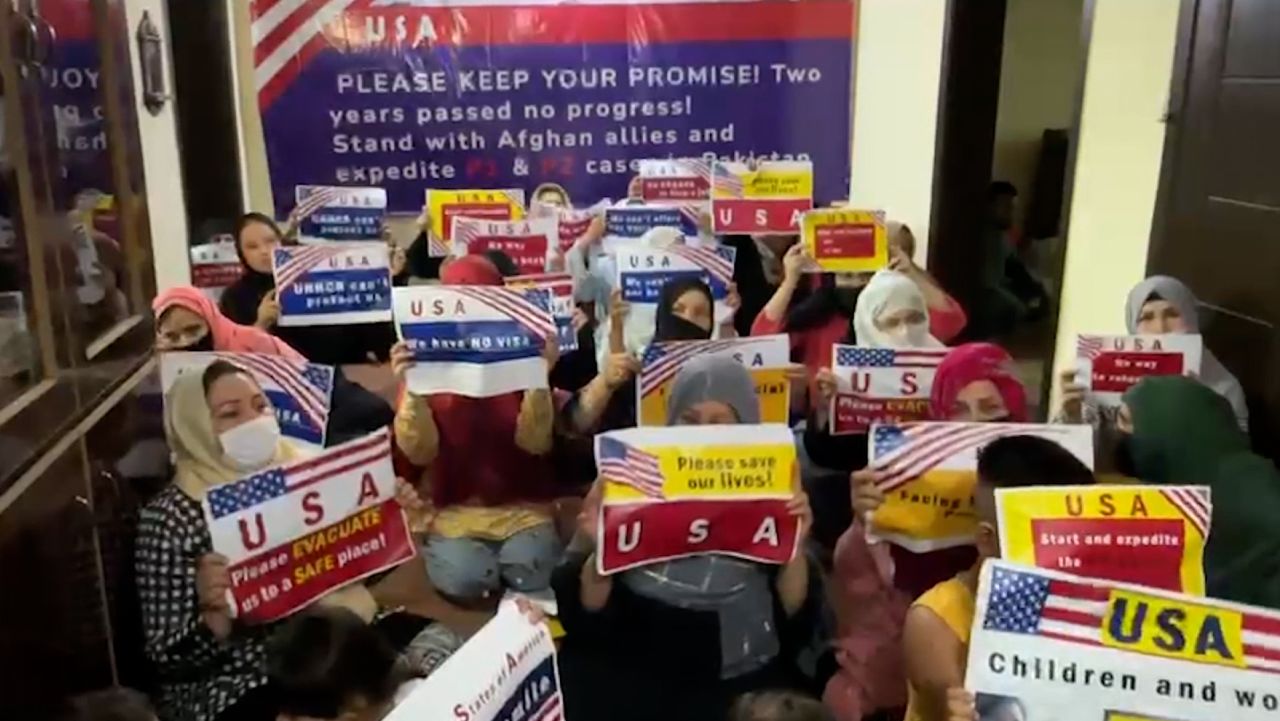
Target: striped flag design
1075,611
718,261
261,487
726,182
1089,346
523,308
294,262
551,710
662,361
319,198
310,384
630,466
908,451
861,357
1194,504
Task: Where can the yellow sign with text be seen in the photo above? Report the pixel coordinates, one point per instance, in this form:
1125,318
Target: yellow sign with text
768,358
1147,535
445,205
775,179
842,240
1162,626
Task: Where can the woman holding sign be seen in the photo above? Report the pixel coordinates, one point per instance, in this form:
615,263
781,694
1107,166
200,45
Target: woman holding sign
221,428
679,640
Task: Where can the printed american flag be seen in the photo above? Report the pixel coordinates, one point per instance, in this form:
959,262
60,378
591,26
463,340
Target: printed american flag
1194,504
861,357
1089,346
310,384
294,262
726,182
905,452
718,261
1075,611
552,709
630,466
530,308
315,200
662,361
272,483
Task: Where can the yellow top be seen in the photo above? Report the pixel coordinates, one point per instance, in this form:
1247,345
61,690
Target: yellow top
952,601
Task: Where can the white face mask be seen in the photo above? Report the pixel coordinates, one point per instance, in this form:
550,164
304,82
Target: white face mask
908,335
250,446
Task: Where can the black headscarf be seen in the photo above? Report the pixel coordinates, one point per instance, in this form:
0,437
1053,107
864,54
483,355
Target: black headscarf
814,307
670,326
241,299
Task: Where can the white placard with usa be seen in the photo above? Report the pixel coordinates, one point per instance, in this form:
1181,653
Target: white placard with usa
327,212
642,272
930,470
475,341
530,244
767,357
505,672
1108,365
881,385
333,283
300,392
1046,645
293,533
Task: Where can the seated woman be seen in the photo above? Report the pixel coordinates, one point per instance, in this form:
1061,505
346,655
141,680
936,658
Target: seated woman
221,428
679,640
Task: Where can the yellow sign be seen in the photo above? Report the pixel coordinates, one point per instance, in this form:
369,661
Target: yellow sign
1161,626
769,179
842,240
723,462
445,205
1147,535
766,357
1122,716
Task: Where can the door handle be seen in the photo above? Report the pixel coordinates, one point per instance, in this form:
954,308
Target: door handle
46,40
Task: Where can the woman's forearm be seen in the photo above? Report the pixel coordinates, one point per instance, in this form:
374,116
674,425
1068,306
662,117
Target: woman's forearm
776,309
534,424
793,583
415,430
595,588
593,399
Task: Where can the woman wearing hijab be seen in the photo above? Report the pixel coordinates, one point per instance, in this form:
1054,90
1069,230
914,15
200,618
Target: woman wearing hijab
679,640
221,428
490,485
1176,430
1160,305
874,584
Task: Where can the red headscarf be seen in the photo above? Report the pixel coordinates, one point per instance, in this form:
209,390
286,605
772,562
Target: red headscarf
972,362
470,270
228,335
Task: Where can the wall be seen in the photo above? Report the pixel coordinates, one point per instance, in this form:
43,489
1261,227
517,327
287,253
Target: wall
1118,165
1039,77
161,160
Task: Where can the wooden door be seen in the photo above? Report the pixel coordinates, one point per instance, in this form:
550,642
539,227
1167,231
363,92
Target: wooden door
1217,224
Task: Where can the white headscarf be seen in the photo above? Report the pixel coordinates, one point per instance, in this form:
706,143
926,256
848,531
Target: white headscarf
889,292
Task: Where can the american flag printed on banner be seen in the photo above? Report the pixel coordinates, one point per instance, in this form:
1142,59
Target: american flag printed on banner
294,262
317,199
531,309
274,482
1076,611
888,357
1194,504
309,383
1089,346
630,466
726,182
908,451
662,361
717,261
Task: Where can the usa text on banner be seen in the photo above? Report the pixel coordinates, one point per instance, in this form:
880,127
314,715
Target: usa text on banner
845,241
769,198
1067,647
474,341
445,205
296,532
484,93
881,385
325,212
529,243
624,227
1148,535
690,490
767,357
684,183
1109,365
333,283
560,287
572,223
930,476
299,392
643,271
505,672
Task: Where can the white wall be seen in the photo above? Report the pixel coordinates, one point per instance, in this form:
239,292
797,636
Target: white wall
161,159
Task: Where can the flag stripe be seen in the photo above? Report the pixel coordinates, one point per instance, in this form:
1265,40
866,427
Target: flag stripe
511,304
306,481
289,378
302,260
920,457
662,361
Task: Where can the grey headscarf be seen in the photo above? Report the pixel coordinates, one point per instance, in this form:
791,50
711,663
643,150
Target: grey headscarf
1212,372
737,590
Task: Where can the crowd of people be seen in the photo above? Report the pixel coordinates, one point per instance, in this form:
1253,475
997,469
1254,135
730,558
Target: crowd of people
849,629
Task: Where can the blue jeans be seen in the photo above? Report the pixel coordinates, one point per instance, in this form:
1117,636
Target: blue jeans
472,568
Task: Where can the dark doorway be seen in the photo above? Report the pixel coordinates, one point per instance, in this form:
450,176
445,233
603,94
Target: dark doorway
1217,224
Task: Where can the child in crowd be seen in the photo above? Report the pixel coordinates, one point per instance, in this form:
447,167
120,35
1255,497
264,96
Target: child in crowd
936,635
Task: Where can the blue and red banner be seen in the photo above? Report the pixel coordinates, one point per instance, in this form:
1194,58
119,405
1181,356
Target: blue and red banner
409,94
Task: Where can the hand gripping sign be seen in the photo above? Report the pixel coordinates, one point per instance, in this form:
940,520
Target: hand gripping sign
769,198
690,490
445,205
333,283
767,357
1110,365
571,223
624,227
930,473
293,533
841,240
326,212
1046,645
881,385
1149,535
529,243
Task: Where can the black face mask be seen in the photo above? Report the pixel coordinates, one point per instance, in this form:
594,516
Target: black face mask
204,345
673,327
847,299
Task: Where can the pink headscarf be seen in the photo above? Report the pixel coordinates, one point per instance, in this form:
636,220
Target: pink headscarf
972,362
228,336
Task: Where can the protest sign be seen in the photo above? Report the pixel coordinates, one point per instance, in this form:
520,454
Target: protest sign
881,385
767,357
475,341
293,533
529,243
1047,646
560,288
675,181
930,471
325,212
1110,365
300,392
445,205
333,283
691,490
841,240
505,672
643,271
624,227
769,198
571,223
1148,535
215,265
